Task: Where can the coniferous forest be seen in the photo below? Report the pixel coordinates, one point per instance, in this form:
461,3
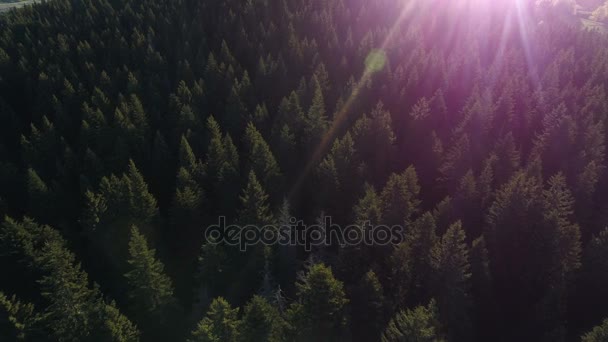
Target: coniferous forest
128,128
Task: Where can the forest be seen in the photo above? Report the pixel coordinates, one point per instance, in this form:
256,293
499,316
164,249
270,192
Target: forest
130,128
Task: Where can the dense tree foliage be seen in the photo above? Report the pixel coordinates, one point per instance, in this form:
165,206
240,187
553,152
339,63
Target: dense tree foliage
128,129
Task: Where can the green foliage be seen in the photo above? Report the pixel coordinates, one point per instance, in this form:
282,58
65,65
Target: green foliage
220,324
254,205
452,282
151,290
418,324
187,200
315,121
375,139
186,158
529,224
39,195
75,310
369,207
142,204
422,240
17,320
261,322
400,197
598,334
127,197
354,109
320,313
368,308
260,159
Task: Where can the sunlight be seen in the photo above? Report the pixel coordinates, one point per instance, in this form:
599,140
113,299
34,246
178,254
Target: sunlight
378,56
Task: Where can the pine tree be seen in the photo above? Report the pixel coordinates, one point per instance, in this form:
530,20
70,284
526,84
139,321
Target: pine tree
525,224
254,214
39,196
598,334
452,278
338,178
289,115
414,325
151,291
186,158
116,326
320,313
444,214
231,164
95,207
71,301
142,203
260,116
315,122
76,312
221,169
17,320
456,162
374,140
401,273
261,322
236,111
468,204
220,324
254,204
368,309
215,151
422,240
187,200
369,207
259,157
400,197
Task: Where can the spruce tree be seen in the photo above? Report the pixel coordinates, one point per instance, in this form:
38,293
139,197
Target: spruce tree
17,320
368,309
400,197
254,204
369,207
315,122
422,241
75,310
219,324
186,158
39,196
151,291
598,334
187,201
414,325
528,224
452,282
259,157
261,322
374,139
143,206
320,313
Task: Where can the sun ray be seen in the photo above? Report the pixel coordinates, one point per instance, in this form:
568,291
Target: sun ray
342,113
